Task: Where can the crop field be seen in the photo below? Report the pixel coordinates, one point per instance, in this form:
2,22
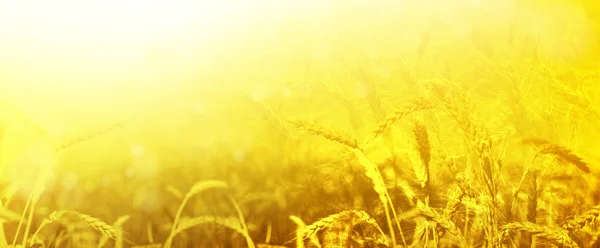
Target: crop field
272,124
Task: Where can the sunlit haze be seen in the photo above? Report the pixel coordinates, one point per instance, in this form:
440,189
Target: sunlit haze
238,123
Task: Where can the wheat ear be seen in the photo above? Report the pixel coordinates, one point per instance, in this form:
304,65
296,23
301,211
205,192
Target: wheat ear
414,106
94,223
68,144
325,132
424,150
442,220
354,216
578,222
567,155
554,235
117,226
559,151
552,149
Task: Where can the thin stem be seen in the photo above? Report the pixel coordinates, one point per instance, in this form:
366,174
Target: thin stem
169,240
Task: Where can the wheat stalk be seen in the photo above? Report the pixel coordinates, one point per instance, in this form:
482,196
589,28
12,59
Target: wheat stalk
186,223
231,223
300,232
242,222
372,172
194,190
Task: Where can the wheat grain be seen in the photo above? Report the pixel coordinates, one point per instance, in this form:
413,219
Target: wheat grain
372,172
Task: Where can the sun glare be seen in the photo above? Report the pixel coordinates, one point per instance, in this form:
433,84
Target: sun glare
72,40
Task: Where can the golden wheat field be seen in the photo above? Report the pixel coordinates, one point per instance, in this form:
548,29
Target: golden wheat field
271,124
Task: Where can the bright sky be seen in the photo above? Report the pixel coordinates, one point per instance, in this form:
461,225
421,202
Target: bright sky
70,55
77,44
101,36
103,56
107,53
